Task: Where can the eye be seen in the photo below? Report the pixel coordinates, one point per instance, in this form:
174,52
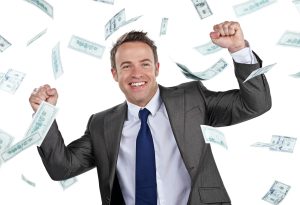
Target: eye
126,66
146,65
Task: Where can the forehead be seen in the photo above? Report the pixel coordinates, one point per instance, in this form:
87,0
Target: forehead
134,49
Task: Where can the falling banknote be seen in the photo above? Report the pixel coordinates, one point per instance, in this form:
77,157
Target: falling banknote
209,73
4,44
42,120
279,143
259,71
283,143
27,181
163,26
208,48
86,46
276,193
290,39
11,81
43,5
213,135
68,182
251,6
56,62
20,146
36,37
117,21
202,8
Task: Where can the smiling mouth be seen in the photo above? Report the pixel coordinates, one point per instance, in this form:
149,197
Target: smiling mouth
137,84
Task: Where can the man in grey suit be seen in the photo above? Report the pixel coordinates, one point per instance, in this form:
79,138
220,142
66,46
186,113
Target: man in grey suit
186,172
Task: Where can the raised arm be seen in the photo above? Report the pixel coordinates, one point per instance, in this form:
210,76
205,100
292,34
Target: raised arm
61,161
253,98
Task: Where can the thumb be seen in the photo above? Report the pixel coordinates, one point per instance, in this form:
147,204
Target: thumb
214,35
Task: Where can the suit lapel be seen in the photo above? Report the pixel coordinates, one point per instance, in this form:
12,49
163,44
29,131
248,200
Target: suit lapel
173,99
113,124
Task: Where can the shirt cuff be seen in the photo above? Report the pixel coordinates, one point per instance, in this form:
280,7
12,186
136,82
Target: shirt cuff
244,56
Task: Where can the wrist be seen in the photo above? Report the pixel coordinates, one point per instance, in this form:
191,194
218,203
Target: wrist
240,47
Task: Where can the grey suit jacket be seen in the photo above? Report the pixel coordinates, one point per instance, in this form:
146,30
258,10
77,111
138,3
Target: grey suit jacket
188,105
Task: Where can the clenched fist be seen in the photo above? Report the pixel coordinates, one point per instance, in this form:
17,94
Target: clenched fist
228,35
43,93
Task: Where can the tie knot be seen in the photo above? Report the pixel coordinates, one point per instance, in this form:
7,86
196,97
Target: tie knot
143,114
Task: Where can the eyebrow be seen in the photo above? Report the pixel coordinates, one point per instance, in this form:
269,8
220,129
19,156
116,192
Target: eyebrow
147,59
129,62
125,62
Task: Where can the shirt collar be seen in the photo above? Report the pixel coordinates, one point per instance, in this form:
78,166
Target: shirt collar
153,106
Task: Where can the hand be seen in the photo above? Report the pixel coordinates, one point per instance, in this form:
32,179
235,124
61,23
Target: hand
43,93
228,35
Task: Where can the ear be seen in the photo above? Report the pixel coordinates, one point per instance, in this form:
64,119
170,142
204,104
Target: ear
156,69
114,74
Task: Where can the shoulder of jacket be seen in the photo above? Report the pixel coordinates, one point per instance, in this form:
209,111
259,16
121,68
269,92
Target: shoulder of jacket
182,85
108,111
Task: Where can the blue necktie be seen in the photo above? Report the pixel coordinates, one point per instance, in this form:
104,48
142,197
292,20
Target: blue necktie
145,173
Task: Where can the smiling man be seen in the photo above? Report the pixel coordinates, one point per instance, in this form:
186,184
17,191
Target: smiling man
150,149
135,68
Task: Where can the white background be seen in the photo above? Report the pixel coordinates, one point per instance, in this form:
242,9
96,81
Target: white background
87,87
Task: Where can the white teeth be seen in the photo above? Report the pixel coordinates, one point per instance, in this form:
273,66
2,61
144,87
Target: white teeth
137,84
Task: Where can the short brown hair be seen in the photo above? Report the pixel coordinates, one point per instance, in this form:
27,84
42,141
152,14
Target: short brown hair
131,37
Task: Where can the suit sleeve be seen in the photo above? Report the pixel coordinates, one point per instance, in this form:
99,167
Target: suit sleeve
63,162
252,99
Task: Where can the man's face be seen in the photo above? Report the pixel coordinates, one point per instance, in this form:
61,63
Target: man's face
136,72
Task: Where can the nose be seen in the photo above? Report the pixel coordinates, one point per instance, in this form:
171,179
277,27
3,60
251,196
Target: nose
136,72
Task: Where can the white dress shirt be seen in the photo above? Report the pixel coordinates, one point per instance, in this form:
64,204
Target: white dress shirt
173,180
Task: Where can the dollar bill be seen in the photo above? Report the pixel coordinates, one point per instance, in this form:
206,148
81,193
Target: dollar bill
56,62
212,135
118,21
251,6
295,75
68,182
20,146
283,143
5,140
27,181
86,46
209,73
259,71
115,23
290,39
279,143
106,1
276,193
43,5
163,26
11,81
36,37
42,120
4,44
208,48
202,8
